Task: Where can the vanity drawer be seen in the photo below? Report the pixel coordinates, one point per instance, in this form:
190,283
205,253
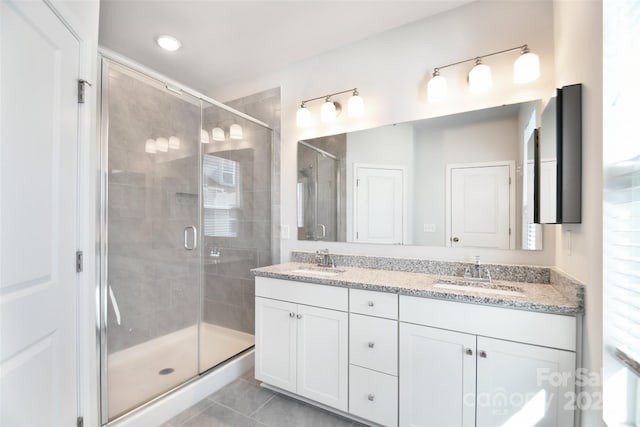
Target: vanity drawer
373,343
373,396
372,303
325,296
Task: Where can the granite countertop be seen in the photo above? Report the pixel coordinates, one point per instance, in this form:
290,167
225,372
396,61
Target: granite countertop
539,297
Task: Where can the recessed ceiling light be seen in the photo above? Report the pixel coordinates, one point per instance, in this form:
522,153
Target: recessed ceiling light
168,42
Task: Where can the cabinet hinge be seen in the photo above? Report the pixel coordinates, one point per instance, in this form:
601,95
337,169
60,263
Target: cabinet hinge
357,234
79,261
80,422
81,86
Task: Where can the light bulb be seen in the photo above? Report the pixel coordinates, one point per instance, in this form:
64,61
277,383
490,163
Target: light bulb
162,144
235,131
480,79
150,146
204,136
355,107
527,67
303,116
174,142
169,43
328,111
437,88
217,134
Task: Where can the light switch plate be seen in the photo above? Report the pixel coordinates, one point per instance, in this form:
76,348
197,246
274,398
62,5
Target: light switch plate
284,232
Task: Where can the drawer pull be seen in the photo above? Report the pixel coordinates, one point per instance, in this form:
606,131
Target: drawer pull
371,344
299,316
371,397
468,351
370,303
292,315
482,353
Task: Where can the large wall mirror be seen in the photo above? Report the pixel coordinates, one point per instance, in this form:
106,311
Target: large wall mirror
456,181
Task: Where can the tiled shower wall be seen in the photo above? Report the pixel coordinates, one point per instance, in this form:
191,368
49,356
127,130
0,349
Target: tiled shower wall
151,198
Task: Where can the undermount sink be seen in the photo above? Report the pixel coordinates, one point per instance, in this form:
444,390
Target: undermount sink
483,288
319,271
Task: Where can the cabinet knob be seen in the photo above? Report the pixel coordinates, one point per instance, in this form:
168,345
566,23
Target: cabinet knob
371,397
468,351
292,315
482,353
299,316
371,344
370,303
455,239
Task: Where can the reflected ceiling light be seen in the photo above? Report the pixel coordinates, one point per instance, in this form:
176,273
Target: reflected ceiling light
480,79
303,116
217,134
174,142
204,136
355,107
527,67
437,87
162,144
150,146
235,131
169,43
331,109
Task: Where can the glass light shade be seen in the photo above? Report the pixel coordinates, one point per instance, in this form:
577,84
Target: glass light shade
204,136
150,146
328,112
235,131
526,68
437,89
217,134
174,142
169,43
355,107
480,79
303,117
162,144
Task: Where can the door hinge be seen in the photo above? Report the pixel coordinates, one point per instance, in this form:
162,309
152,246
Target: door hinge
81,86
509,180
357,234
79,261
79,422
357,183
509,231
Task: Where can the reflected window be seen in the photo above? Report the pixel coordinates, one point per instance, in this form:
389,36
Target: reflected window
221,196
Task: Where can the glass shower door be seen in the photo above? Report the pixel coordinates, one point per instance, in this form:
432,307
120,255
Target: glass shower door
151,289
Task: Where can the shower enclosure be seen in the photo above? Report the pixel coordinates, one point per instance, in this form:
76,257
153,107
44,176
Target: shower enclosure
318,199
186,213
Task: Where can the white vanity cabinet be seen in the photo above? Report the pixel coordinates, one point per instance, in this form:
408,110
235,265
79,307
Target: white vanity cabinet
453,374
302,339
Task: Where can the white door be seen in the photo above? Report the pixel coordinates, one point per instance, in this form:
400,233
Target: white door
379,199
522,385
437,377
38,198
323,356
276,343
480,207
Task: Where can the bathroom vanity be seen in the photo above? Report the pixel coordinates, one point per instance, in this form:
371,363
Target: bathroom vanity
421,346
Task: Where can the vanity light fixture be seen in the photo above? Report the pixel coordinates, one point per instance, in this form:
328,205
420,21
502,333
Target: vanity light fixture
150,146
162,144
217,134
526,69
174,143
235,131
169,43
330,109
204,136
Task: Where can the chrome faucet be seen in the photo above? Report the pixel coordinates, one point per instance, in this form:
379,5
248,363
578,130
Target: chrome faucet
477,275
324,259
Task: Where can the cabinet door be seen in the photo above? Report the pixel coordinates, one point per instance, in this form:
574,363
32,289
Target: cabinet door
322,356
523,385
437,377
276,343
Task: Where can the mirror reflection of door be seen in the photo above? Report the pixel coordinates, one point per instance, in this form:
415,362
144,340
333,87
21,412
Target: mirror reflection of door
481,205
379,204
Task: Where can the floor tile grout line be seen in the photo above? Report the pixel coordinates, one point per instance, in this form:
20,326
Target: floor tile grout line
194,415
234,410
262,406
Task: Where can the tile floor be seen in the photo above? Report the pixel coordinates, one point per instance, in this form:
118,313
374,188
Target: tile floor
243,403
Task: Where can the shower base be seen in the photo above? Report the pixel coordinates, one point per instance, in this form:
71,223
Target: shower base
140,373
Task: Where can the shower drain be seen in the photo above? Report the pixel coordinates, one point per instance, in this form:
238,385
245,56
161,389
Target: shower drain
165,371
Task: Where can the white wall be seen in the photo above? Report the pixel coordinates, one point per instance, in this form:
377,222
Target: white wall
578,51
390,71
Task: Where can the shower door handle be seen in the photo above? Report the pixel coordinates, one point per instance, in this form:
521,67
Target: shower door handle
186,237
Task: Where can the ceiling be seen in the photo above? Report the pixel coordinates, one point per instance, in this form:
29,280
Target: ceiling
224,41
